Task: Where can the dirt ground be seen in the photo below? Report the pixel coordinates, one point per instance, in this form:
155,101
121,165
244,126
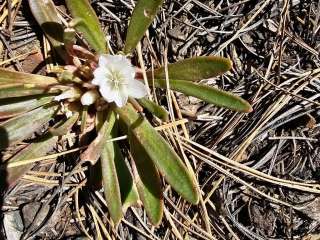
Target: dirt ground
259,172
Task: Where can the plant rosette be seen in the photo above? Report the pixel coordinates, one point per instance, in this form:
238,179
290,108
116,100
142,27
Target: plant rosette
98,91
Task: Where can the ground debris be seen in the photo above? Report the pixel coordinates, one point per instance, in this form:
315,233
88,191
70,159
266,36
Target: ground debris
274,46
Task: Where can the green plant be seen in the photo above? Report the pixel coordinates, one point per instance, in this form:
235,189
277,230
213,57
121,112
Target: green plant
105,86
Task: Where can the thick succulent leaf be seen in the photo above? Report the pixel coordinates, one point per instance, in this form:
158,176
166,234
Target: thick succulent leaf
38,148
67,77
69,38
165,159
194,69
63,127
84,117
142,16
109,173
14,106
13,77
208,94
34,150
154,108
18,90
110,183
87,22
94,150
148,181
24,125
47,17
128,189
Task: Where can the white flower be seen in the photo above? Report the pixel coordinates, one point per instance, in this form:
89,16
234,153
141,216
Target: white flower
115,78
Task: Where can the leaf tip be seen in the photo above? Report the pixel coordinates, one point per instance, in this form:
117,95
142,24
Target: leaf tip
194,198
229,64
156,219
224,63
250,109
247,108
116,219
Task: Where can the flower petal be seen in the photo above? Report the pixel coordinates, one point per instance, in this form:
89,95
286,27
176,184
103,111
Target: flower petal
123,65
107,91
104,60
117,71
121,98
128,73
136,89
100,75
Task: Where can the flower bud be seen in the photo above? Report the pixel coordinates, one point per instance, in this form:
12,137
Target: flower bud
89,97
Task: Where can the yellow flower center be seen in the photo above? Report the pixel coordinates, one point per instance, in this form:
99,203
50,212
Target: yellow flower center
117,79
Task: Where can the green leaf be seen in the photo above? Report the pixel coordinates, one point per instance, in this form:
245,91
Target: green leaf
128,189
84,116
208,94
37,149
14,106
69,38
94,150
63,127
34,150
154,108
194,69
109,173
142,16
18,90
165,159
67,77
148,181
24,125
47,17
13,77
87,22
110,183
